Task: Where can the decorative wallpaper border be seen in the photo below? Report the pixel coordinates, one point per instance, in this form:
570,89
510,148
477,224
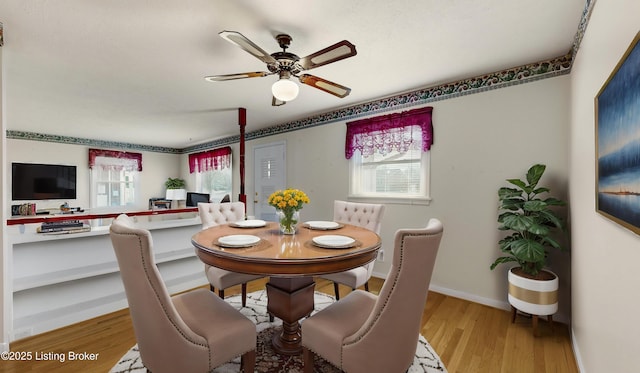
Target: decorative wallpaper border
500,79
32,136
582,27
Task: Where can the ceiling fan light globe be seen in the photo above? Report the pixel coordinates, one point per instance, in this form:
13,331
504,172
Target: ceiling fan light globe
285,90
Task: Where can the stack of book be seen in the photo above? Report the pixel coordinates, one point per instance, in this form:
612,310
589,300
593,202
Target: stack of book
62,227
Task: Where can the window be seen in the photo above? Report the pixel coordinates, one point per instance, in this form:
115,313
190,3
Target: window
391,175
114,178
388,156
213,172
215,182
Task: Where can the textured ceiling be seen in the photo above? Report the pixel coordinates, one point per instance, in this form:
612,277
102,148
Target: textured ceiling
132,70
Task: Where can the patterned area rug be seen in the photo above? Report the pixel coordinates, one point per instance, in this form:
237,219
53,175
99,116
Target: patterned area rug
425,361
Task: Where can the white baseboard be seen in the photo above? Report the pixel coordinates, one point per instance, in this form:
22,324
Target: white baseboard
462,295
4,347
576,352
503,305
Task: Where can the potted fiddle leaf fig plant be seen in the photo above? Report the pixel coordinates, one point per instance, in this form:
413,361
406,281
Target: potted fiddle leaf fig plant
529,215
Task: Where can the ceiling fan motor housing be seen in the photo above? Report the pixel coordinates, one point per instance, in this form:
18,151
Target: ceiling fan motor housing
285,61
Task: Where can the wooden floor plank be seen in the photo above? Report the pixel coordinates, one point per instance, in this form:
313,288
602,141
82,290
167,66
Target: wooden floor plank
468,337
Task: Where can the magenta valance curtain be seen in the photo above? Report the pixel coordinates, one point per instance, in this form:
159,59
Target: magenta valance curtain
129,161
215,159
390,132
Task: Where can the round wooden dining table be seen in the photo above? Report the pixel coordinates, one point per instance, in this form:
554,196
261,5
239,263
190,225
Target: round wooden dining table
290,261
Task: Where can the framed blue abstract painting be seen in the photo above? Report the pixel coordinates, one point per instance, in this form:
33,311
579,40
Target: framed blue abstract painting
618,142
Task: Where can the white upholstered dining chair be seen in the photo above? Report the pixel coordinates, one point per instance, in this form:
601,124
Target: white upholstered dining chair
212,214
194,331
367,333
366,215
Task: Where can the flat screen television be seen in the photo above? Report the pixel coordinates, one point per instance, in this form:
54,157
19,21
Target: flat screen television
193,198
34,181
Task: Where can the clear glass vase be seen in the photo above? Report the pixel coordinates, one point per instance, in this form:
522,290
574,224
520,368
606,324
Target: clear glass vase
288,220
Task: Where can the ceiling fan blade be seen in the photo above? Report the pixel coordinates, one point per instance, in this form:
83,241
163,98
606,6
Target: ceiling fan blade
221,78
247,45
336,52
276,102
325,85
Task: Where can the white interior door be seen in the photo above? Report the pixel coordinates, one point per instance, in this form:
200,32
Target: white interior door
269,175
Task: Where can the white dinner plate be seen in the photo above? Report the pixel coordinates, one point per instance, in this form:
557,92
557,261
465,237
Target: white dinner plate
323,225
238,240
333,241
254,223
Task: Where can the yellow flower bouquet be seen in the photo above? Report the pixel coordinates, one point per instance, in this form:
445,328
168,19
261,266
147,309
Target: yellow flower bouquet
288,203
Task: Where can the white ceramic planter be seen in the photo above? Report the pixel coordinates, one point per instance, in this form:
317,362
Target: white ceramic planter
534,297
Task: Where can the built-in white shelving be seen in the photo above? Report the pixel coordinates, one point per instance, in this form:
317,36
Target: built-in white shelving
57,280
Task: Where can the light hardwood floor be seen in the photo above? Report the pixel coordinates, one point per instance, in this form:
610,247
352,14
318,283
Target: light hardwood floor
468,337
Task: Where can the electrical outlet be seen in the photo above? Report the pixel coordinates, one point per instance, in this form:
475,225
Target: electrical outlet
380,255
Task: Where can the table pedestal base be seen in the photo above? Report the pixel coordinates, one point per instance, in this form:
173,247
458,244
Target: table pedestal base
289,299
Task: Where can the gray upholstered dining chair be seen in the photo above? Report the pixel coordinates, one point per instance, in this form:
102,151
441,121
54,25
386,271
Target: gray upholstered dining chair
212,214
194,331
366,215
367,333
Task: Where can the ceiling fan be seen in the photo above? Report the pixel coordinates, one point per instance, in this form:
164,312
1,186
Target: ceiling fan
287,64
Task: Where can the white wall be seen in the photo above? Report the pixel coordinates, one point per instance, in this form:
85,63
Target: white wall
605,255
156,168
480,140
